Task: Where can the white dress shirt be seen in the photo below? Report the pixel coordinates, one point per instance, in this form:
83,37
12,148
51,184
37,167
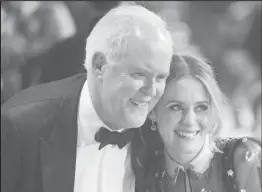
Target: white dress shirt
105,170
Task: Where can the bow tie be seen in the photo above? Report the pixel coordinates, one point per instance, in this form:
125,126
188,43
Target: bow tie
105,137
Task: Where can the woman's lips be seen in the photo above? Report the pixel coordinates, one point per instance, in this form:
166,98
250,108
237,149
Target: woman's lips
186,134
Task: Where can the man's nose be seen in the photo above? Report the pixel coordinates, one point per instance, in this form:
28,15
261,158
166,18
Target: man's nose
149,88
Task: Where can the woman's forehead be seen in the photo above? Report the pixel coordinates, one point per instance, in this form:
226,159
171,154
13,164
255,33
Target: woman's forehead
186,89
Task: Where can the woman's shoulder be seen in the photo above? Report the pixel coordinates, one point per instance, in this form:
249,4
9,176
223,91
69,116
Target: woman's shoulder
239,151
241,162
239,146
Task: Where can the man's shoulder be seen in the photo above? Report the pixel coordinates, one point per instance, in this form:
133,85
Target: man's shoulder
39,104
47,92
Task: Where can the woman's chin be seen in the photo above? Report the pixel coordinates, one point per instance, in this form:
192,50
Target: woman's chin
188,145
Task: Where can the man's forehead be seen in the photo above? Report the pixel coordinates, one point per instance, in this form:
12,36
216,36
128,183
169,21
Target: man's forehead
149,67
149,32
144,46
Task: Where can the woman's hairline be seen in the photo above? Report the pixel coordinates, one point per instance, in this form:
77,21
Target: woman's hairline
203,81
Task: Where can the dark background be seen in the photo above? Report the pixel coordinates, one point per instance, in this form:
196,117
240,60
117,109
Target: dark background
45,41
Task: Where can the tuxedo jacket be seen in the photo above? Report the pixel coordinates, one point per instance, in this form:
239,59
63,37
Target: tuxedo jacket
39,137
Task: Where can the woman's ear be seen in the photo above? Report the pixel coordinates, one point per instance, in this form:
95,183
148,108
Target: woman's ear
152,115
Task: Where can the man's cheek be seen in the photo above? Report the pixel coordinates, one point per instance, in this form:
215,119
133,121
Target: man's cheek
132,88
129,84
160,90
157,96
136,84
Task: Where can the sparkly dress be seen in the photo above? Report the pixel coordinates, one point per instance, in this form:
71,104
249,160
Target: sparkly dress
185,179
205,173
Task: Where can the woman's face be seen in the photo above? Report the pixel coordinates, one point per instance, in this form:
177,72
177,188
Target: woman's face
183,115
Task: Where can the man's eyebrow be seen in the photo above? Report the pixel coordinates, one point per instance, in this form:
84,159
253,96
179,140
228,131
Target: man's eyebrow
164,74
144,69
149,71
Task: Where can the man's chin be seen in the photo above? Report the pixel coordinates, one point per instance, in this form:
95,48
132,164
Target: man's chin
136,122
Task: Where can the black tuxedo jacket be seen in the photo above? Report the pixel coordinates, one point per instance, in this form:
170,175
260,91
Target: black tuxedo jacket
39,137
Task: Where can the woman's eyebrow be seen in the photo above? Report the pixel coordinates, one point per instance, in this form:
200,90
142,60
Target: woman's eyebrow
203,102
180,102
174,101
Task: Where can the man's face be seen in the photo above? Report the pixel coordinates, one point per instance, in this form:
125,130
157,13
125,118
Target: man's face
133,85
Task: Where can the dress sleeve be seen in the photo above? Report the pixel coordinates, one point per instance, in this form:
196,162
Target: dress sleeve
247,160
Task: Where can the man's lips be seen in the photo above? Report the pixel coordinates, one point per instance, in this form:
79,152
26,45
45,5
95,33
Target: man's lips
139,103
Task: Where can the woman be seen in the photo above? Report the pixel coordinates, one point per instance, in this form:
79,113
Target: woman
178,148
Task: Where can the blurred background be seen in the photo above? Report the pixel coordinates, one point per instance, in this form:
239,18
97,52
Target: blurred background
43,41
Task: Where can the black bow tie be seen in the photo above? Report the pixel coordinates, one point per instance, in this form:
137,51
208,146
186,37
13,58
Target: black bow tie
105,137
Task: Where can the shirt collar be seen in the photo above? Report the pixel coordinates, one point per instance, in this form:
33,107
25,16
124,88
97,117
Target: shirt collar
201,162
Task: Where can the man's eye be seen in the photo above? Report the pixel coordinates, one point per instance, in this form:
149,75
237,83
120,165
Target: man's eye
202,108
161,78
137,75
176,107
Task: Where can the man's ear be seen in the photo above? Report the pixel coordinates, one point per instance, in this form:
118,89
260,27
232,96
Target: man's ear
152,115
98,63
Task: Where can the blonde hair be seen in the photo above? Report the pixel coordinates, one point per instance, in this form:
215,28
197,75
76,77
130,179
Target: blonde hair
110,33
198,68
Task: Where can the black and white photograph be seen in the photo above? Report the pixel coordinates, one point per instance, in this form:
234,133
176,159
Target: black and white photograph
131,96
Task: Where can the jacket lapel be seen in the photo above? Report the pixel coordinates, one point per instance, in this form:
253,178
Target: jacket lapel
58,150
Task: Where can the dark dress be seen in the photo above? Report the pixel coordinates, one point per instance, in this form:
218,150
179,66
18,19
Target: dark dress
151,176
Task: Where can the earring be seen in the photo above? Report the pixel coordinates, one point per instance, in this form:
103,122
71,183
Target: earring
153,126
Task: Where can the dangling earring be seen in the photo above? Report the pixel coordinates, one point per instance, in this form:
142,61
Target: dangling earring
153,126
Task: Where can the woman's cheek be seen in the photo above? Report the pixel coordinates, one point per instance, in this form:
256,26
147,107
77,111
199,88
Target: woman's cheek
175,119
166,137
167,131
205,123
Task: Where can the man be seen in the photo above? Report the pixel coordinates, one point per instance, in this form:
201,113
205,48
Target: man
50,133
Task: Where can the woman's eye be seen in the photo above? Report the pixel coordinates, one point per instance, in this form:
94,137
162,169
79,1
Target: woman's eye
176,107
202,108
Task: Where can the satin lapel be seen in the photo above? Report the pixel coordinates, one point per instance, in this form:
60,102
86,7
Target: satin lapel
58,151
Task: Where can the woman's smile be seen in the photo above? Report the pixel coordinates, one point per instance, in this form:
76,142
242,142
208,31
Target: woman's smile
190,135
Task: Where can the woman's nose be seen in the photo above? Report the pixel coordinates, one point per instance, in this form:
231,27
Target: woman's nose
189,117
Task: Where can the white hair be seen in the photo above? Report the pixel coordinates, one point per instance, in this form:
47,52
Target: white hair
110,33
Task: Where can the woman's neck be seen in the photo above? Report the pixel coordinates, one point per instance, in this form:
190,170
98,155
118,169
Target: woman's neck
181,158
